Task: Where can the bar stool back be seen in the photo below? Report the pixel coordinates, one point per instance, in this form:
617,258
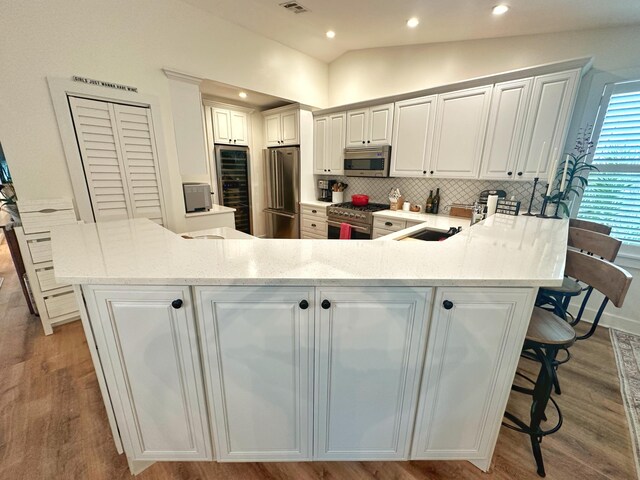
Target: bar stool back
610,280
593,226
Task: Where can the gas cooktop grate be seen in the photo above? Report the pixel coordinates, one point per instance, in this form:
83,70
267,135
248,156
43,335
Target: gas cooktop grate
371,207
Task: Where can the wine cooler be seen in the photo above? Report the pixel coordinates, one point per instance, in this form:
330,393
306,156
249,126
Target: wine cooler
234,183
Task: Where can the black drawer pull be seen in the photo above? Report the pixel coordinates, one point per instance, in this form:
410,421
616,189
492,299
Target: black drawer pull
448,305
388,224
314,211
304,304
509,173
326,304
519,174
177,303
313,224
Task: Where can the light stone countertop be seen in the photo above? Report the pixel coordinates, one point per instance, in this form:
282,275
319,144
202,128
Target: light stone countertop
215,210
429,220
316,203
500,251
226,233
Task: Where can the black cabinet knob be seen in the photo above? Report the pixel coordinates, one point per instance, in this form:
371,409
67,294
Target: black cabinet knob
314,211
313,224
424,172
448,305
388,224
304,304
431,172
177,303
326,304
519,174
368,141
509,173
362,141
329,170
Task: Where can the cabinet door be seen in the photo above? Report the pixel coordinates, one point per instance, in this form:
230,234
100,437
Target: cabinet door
221,125
258,351
380,123
472,354
369,349
289,128
152,366
320,144
461,122
357,127
272,130
509,104
239,130
335,143
552,101
412,136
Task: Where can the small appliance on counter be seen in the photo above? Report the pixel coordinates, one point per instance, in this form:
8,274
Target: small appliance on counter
326,189
197,197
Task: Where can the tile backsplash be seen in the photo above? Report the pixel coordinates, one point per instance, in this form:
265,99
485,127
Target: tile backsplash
416,190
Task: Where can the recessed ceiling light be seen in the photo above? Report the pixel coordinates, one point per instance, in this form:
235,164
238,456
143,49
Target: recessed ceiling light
242,95
413,22
500,9
331,34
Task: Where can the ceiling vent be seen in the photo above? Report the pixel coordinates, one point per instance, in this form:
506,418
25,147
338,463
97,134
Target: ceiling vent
294,7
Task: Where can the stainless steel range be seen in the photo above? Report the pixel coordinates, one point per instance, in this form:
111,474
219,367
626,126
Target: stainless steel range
360,219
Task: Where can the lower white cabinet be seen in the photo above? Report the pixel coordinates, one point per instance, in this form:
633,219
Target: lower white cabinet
147,341
369,349
258,359
474,343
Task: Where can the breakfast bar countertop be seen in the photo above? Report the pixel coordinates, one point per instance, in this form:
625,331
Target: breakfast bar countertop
502,251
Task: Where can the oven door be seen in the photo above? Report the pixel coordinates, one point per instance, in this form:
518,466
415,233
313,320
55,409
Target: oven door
357,232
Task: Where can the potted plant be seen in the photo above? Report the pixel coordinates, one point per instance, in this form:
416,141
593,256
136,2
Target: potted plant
577,171
8,197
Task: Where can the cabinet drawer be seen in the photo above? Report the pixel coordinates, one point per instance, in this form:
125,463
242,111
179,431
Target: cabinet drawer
308,211
43,220
389,224
61,304
306,235
380,232
47,279
313,224
40,250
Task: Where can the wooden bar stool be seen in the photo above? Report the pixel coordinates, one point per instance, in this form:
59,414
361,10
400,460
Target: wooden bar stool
547,333
593,226
587,241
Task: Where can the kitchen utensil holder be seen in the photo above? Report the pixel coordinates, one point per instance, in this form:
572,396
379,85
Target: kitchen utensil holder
337,197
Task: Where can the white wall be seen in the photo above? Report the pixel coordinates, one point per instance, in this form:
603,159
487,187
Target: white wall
372,73
126,42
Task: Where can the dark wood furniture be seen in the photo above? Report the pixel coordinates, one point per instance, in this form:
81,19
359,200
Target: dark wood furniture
12,242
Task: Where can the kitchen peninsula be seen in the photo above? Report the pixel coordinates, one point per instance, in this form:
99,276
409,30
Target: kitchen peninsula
298,350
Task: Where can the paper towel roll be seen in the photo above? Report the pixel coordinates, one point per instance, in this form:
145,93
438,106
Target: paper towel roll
492,204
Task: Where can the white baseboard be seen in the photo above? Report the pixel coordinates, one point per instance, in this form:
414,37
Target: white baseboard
608,319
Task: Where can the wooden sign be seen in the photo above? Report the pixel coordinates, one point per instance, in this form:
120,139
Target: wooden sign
101,83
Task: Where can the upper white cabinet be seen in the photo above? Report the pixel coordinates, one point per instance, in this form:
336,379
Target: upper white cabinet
474,344
188,123
548,117
147,341
412,139
282,128
258,344
230,126
505,129
329,143
461,122
370,126
369,349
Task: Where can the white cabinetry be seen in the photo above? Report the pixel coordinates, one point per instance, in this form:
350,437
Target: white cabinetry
149,349
329,143
258,345
313,223
413,126
370,126
552,100
230,126
474,345
369,348
505,130
461,122
281,128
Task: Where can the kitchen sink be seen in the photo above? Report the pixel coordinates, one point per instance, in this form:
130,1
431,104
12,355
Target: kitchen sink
430,235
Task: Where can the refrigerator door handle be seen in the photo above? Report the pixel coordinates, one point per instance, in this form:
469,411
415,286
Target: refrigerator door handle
280,213
279,186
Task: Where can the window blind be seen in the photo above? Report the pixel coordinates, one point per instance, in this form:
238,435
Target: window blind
613,194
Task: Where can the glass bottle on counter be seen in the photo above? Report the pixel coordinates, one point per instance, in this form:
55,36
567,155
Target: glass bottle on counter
429,206
436,202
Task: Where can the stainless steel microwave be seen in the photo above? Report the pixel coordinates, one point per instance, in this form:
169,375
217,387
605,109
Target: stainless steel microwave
367,162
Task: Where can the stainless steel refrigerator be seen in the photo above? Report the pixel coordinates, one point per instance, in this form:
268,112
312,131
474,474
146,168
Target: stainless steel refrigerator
234,183
282,172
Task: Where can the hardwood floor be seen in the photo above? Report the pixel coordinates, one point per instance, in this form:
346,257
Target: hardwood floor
53,423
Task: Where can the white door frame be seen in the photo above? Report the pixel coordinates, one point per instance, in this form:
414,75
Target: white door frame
60,89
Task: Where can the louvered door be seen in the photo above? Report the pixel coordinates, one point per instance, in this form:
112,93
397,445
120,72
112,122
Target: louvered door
117,146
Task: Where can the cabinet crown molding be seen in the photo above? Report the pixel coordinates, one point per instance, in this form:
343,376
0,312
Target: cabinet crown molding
182,76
